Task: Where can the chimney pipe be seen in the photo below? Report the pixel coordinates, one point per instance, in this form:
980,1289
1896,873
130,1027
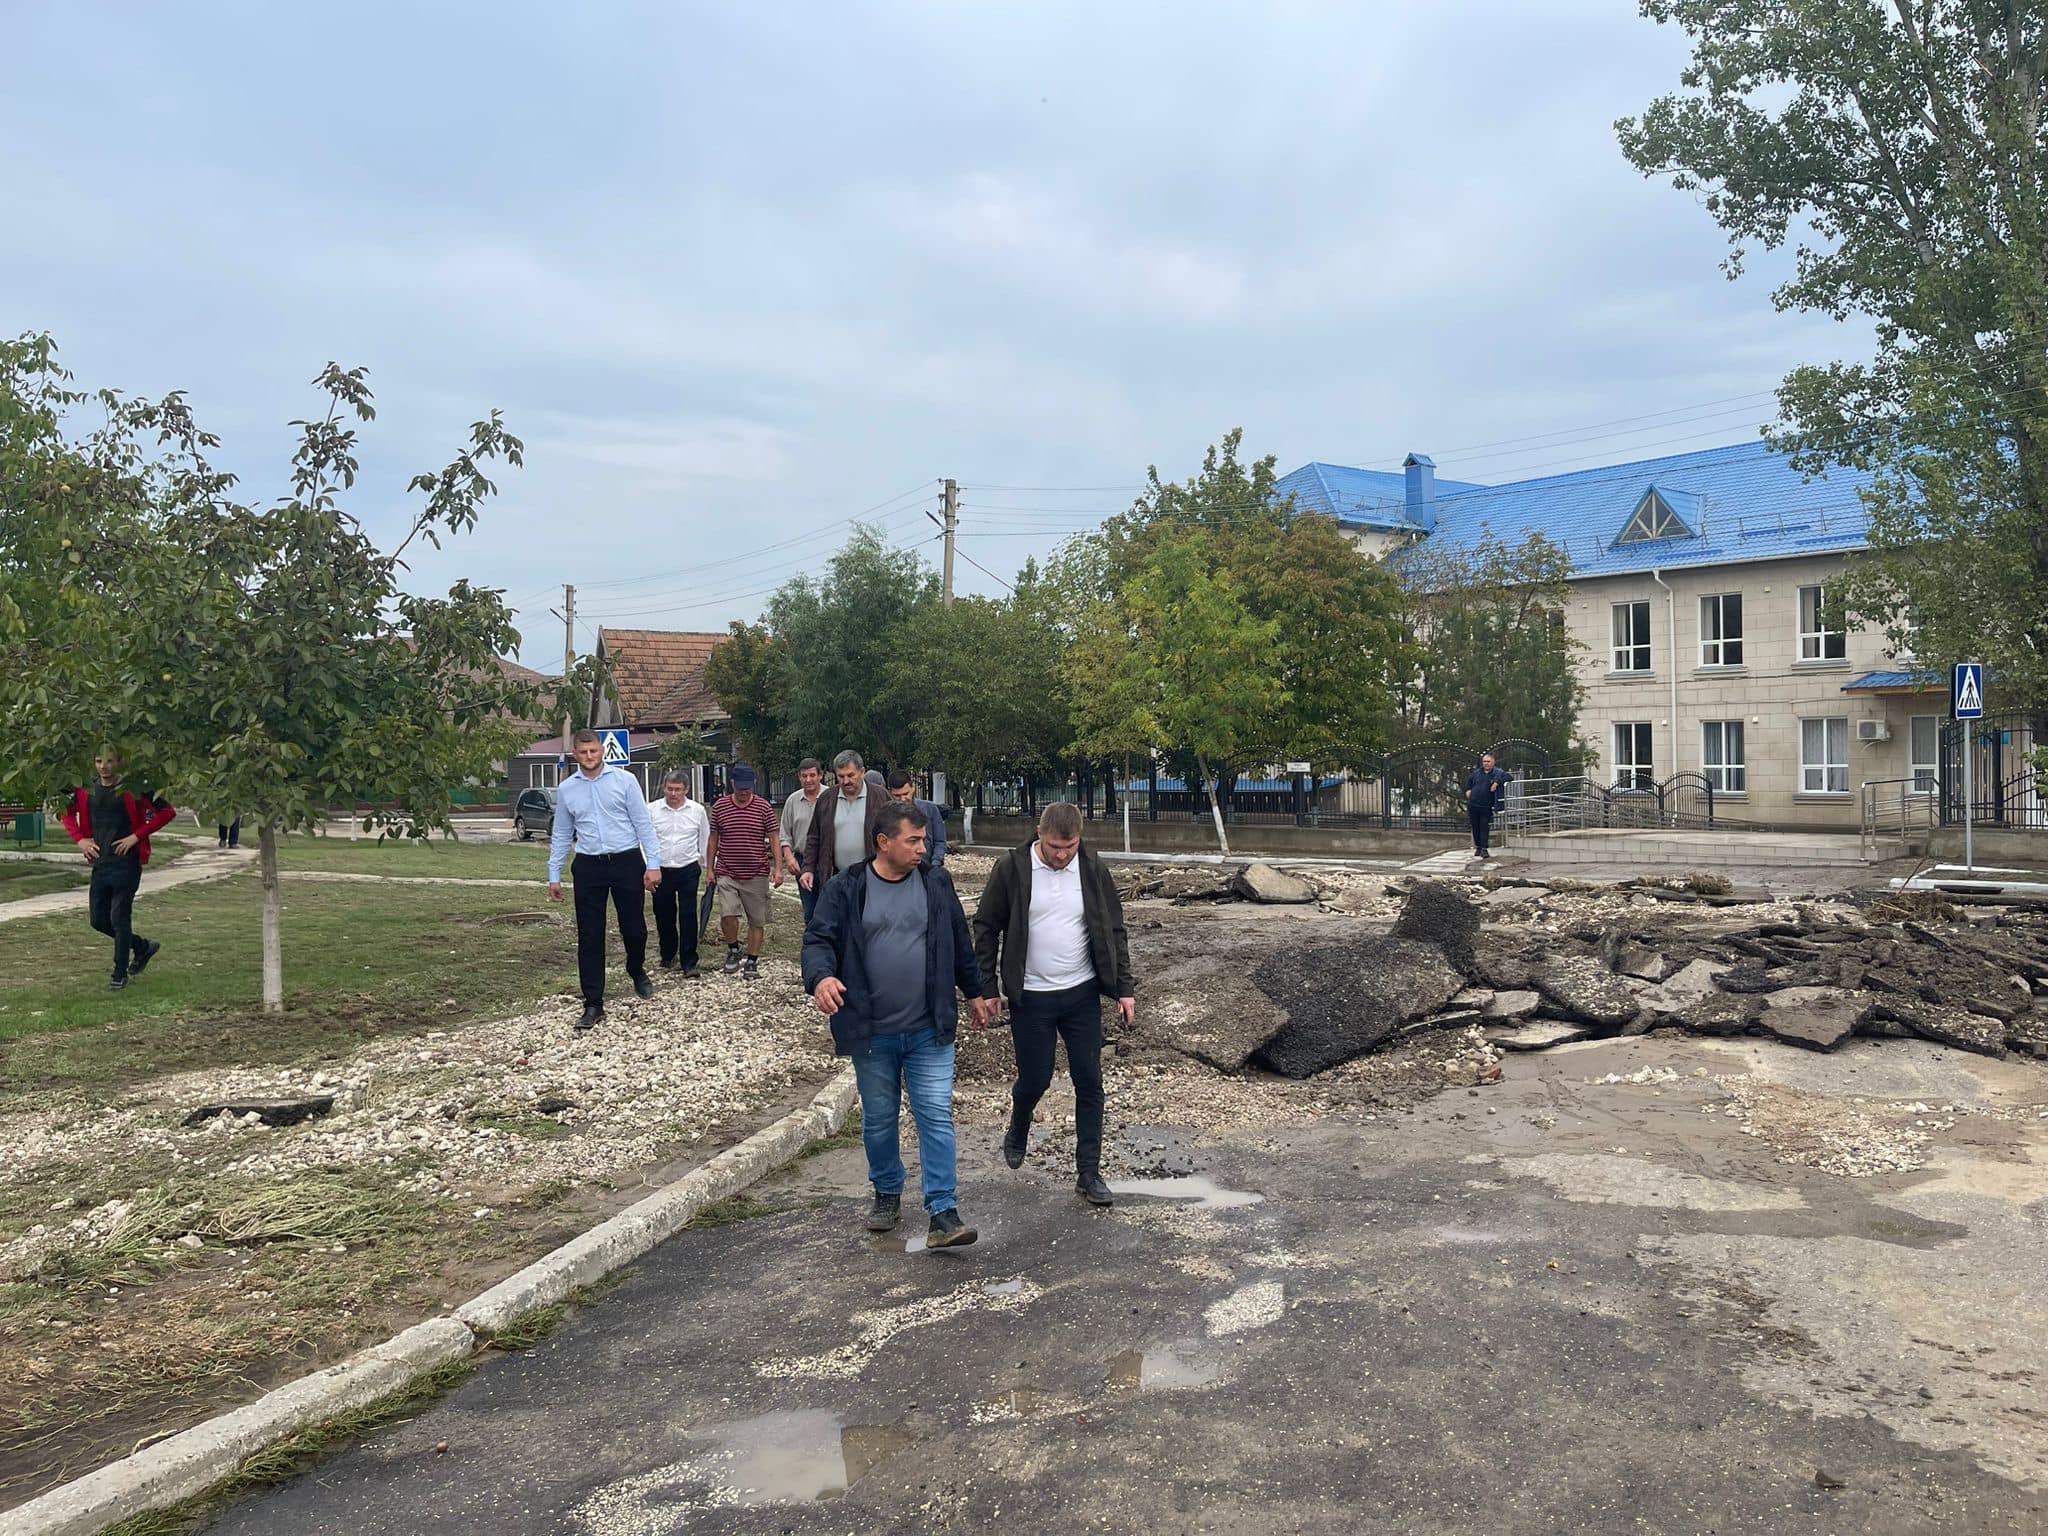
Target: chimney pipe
1420,470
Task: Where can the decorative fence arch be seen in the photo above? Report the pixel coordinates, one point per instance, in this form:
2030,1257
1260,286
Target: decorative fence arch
2006,789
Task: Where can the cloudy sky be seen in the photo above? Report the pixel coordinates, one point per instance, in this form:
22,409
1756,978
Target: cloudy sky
740,272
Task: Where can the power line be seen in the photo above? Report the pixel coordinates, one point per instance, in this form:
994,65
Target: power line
991,575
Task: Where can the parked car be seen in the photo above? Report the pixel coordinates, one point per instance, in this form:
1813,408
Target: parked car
533,812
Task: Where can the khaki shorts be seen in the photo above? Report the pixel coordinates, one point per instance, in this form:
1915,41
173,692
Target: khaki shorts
744,897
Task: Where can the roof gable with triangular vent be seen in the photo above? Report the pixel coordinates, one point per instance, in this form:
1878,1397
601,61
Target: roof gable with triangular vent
1662,514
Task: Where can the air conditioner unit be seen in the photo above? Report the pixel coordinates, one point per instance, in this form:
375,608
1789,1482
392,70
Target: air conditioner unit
1873,730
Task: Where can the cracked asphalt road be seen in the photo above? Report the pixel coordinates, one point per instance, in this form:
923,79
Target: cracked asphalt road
1551,1304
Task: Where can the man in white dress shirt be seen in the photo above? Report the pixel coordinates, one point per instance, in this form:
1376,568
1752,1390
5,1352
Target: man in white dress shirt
1050,933
682,828
599,811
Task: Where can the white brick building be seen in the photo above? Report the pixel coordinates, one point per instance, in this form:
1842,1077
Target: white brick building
1699,607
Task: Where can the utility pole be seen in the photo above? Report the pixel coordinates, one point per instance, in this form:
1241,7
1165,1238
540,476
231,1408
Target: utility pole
568,657
952,526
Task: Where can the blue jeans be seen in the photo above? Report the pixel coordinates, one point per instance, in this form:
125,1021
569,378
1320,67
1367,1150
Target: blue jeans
917,1064
810,901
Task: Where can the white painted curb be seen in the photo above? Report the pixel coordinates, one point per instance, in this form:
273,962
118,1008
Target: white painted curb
194,1460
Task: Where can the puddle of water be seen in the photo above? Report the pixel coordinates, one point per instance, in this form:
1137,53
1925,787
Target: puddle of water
1004,1288
797,1457
1172,1367
1204,1194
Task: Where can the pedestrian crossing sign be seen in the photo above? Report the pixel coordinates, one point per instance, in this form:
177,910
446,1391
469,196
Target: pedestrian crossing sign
1966,695
617,747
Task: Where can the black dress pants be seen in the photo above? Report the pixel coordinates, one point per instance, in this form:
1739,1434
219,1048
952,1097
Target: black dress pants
675,914
1075,1016
1482,825
617,877
111,906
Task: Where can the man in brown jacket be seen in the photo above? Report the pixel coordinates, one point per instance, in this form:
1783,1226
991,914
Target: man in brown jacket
843,826
1050,931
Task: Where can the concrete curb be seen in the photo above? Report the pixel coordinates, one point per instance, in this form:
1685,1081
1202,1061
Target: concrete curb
195,1459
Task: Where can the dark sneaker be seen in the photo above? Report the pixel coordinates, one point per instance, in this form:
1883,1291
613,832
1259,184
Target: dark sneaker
1016,1141
148,953
883,1213
1089,1187
593,1015
642,987
687,971
751,971
669,963
733,960
118,984
949,1231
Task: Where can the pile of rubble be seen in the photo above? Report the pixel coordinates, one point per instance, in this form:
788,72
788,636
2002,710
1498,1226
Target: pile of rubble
1809,975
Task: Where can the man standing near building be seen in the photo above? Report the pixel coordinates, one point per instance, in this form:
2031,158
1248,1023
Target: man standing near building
843,826
112,825
746,844
683,831
883,958
904,788
598,808
797,812
1486,792
1050,931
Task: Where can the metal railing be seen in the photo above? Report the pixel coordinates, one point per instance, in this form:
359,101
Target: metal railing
1578,804
1897,809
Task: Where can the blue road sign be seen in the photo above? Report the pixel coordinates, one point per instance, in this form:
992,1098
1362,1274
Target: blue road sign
618,747
1966,691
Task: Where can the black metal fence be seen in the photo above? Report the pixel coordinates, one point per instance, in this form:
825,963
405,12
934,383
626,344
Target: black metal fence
1418,788
2006,787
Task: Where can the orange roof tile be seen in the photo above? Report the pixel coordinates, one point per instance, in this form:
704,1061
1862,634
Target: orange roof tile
659,674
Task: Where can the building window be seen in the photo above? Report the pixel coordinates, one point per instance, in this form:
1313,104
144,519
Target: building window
1722,757
1824,756
1634,768
1924,738
1721,630
1632,636
1821,636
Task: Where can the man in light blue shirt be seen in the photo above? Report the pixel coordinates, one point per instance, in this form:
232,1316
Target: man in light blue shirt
600,811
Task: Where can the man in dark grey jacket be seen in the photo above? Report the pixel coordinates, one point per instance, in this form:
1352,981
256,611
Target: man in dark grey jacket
1050,930
843,826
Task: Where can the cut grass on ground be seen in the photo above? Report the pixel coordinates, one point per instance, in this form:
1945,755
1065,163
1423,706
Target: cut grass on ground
360,961
22,878
394,856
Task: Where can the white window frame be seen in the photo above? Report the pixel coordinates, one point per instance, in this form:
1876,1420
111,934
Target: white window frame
1715,641
1629,770
1727,772
1627,653
1824,774
1925,773
1819,643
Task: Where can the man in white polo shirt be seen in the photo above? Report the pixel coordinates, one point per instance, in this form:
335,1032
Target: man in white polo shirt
1050,930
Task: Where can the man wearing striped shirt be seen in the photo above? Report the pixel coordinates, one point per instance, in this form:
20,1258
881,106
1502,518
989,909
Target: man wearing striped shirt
746,845
598,809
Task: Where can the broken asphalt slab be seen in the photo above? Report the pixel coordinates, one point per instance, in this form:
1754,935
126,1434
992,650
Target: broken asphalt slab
1622,1340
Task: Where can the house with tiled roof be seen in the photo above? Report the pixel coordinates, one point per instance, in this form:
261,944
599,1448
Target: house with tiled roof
658,689
1700,608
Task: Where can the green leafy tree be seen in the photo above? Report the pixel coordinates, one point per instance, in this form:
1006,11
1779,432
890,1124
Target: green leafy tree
589,681
1899,144
978,682
836,634
750,677
260,661
1204,660
682,749
1491,655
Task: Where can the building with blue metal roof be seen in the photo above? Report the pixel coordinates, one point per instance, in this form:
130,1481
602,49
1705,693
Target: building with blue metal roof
1700,610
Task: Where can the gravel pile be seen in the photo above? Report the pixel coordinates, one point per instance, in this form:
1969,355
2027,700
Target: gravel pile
481,1114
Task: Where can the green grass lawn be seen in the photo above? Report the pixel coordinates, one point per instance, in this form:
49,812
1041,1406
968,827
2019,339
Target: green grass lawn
439,856
360,961
21,878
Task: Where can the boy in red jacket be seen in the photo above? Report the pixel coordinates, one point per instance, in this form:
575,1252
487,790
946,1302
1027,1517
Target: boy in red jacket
112,825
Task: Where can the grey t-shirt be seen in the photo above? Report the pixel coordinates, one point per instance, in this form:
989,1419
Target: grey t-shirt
849,830
894,926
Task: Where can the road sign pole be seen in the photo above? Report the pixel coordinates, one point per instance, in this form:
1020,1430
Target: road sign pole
1969,802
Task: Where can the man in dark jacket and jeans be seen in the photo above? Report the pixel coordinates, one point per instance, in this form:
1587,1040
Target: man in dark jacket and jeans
1050,929
1486,795
883,955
